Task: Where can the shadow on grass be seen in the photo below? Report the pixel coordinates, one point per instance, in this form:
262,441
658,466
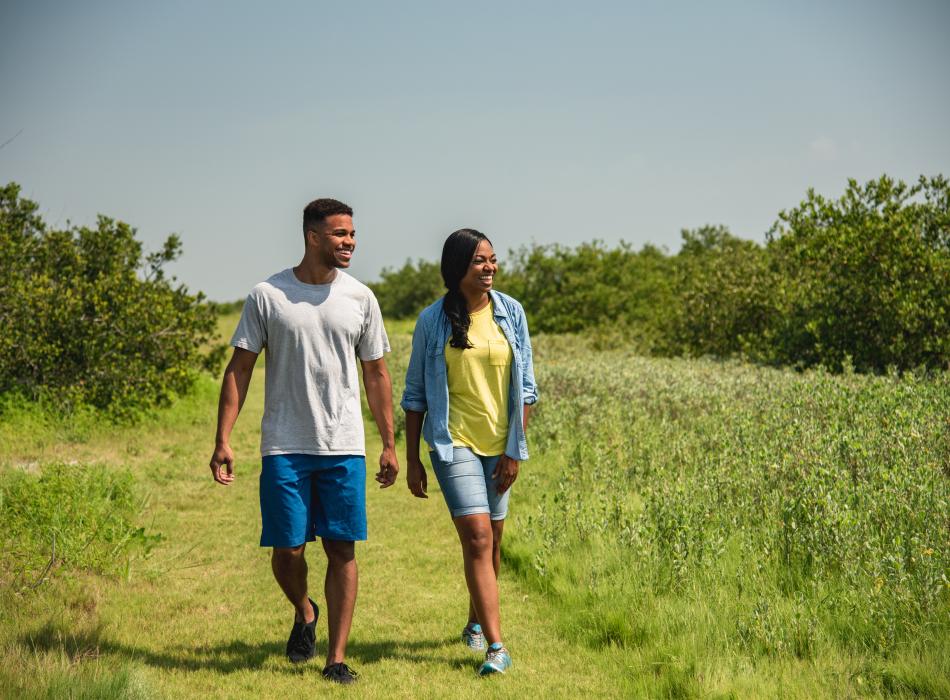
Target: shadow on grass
231,656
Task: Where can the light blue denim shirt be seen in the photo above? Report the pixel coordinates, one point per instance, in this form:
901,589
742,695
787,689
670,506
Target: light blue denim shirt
427,383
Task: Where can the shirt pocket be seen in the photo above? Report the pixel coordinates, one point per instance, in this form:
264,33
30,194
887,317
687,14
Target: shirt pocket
498,353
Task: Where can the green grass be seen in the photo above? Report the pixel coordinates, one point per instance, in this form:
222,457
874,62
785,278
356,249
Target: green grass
585,611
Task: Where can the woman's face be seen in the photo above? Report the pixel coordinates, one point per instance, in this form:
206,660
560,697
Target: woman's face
481,271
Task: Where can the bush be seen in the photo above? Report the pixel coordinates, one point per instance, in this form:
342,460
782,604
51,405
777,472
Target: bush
89,318
403,293
568,290
862,282
864,279
723,302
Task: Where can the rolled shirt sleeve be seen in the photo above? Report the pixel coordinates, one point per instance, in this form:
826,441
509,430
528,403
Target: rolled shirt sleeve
414,395
529,389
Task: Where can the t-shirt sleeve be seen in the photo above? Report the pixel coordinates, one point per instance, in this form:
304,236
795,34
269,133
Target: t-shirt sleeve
374,342
251,332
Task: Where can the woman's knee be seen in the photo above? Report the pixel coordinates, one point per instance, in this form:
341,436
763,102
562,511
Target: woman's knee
478,540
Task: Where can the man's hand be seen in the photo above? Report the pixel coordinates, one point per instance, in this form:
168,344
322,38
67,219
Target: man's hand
388,468
506,471
416,479
222,464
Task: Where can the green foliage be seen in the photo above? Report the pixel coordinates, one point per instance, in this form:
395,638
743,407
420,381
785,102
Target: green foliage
861,282
809,509
723,304
90,319
568,290
69,517
403,293
865,279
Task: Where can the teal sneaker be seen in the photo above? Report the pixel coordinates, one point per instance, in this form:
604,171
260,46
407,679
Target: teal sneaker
497,660
473,637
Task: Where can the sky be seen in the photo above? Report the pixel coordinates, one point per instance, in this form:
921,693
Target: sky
534,122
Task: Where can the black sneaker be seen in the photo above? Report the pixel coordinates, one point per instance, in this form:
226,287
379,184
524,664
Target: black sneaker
302,644
340,673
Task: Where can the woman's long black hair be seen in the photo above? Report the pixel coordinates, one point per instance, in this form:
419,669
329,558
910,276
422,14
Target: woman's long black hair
457,254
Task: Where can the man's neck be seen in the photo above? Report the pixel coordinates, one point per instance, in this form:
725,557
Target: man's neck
311,271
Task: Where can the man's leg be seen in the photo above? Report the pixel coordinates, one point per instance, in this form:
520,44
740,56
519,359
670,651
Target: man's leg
290,569
340,589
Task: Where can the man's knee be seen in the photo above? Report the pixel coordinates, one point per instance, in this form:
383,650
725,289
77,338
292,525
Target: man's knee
288,555
339,551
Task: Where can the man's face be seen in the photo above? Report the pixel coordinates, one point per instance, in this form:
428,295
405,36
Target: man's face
334,240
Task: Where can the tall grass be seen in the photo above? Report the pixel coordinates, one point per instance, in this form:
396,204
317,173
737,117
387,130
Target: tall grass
708,510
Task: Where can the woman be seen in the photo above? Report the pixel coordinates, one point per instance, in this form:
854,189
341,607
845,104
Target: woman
469,386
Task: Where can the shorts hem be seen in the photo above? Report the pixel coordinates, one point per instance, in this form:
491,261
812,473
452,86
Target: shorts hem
316,453
471,510
343,536
270,543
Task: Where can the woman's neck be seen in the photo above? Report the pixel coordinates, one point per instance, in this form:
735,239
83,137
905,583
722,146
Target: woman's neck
476,301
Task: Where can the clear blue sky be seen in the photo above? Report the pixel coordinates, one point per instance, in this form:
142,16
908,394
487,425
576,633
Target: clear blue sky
532,121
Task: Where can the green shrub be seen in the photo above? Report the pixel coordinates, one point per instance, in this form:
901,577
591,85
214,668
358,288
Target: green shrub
864,279
724,302
567,290
72,517
860,282
403,293
90,318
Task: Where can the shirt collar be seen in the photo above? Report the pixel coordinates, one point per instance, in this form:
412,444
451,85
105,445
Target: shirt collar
499,307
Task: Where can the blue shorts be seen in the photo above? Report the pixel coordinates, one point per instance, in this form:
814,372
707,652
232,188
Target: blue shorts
308,496
467,485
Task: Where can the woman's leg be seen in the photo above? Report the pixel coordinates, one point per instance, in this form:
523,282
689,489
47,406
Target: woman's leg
497,528
476,536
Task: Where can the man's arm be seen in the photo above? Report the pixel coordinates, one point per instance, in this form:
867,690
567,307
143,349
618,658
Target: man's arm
416,479
237,378
379,396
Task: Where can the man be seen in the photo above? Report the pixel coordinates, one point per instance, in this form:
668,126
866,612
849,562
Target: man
314,319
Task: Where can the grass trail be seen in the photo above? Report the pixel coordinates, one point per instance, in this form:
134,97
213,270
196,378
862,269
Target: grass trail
204,618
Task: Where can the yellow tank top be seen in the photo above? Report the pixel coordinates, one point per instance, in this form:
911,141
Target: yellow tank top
478,387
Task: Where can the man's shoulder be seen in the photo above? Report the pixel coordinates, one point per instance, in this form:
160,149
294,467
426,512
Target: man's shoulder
347,281
269,285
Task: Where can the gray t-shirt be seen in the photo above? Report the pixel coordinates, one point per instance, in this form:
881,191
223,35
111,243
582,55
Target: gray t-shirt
313,333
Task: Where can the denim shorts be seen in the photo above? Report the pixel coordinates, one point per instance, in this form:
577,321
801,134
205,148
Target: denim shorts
467,485
308,496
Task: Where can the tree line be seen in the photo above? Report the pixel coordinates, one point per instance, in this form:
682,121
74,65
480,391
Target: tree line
859,282
90,319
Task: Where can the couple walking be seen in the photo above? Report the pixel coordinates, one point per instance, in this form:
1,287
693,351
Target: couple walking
469,386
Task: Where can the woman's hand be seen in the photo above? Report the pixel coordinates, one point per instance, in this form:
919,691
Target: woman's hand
416,478
506,471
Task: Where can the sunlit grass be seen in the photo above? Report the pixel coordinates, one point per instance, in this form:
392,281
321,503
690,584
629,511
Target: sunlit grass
585,611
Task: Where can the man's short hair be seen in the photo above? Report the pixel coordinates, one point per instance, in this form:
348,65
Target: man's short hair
319,209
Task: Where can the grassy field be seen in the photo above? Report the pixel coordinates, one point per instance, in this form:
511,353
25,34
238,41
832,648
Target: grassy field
685,529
